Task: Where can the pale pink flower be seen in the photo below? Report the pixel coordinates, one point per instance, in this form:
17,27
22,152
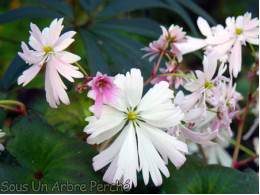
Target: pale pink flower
102,88
241,30
155,48
2,134
48,48
172,36
205,84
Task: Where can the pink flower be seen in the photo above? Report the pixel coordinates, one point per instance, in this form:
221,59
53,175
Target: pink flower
172,36
48,48
155,48
102,87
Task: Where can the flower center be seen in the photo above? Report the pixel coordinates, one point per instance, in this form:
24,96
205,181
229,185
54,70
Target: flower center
208,85
238,31
132,116
47,49
101,83
228,104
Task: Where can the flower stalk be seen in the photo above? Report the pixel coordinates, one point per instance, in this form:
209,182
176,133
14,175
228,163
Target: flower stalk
22,109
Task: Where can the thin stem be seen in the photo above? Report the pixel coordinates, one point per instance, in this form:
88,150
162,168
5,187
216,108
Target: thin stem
168,56
175,74
212,111
203,154
243,148
82,69
241,125
253,50
13,102
242,162
157,65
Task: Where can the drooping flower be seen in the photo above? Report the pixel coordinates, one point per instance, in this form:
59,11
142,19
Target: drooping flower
48,48
241,30
155,48
2,134
218,154
141,144
171,37
102,88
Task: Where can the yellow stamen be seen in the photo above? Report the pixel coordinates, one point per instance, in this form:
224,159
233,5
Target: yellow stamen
208,85
132,116
228,104
47,49
238,31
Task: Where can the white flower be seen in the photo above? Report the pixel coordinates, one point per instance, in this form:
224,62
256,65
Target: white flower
2,134
241,30
141,144
218,154
48,48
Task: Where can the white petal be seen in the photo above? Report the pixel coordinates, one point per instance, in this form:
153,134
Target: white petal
66,70
200,138
235,59
204,27
150,160
159,94
29,74
224,158
58,87
49,91
167,145
127,168
68,57
2,147
163,115
134,86
54,31
111,121
220,50
64,41
191,45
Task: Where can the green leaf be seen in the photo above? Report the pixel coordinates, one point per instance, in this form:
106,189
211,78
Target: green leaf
14,70
123,6
47,156
96,60
143,26
28,12
130,46
55,4
195,177
192,6
91,6
121,62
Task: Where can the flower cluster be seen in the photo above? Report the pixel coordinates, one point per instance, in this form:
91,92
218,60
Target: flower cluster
141,133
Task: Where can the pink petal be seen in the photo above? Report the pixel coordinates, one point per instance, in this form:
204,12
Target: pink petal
98,105
235,59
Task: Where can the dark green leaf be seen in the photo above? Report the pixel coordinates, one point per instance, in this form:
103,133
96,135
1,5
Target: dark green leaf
14,70
90,6
28,12
55,4
96,61
123,6
195,177
130,46
143,26
192,6
47,156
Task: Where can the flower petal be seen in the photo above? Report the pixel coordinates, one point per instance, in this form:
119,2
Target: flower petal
235,59
134,85
29,74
